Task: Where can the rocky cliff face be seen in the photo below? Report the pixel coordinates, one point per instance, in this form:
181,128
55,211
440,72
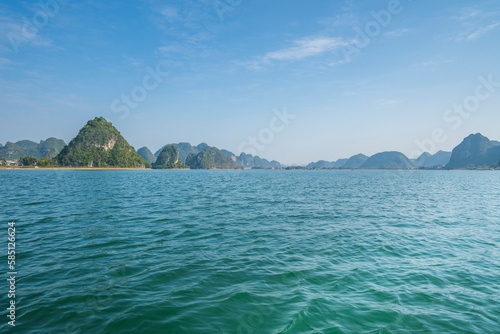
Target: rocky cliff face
107,146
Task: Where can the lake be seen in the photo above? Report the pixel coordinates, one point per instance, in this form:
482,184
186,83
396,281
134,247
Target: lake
253,251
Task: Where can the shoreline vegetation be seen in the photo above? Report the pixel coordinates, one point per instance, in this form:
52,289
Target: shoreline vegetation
69,168
100,146
240,169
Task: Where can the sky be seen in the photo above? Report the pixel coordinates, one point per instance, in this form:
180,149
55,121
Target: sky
292,80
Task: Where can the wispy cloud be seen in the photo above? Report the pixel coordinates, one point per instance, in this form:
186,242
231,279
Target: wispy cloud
169,13
7,27
11,31
467,14
397,33
476,23
433,62
387,102
426,63
341,20
307,47
173,48
134,62
482,31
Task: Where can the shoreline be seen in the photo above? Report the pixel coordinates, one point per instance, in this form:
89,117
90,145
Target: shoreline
71,168
293,169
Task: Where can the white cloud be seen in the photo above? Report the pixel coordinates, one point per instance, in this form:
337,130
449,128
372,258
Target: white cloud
134,62
467,14
397,33
254,65
12,37
481,31
169,13
307,47
476,23
347,19
174,48
425,64
341,62
386,102
433,62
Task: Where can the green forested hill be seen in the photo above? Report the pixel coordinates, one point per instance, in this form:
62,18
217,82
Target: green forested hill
388,160
210,158
475,151
147,155
99,144
244,160
169,159
355,161
45,149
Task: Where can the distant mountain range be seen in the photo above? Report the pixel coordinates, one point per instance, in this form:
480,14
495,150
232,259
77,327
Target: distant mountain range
355,161
100,144
475,152
241,161
325,164
249,161
426,160
386,160
45,149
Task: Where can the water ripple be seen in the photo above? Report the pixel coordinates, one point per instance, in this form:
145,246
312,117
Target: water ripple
255,252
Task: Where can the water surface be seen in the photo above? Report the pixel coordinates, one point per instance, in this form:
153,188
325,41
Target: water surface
254,251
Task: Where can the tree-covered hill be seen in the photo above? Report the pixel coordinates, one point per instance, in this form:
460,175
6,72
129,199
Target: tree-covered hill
210,158
185,149
244,160
355,161
169,159
147,155
250,161
322,164
99,144
475,151
388,160
45,149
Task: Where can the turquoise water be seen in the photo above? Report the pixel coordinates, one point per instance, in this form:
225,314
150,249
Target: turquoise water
254,251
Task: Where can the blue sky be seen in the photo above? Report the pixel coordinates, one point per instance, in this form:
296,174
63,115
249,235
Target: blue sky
358,76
